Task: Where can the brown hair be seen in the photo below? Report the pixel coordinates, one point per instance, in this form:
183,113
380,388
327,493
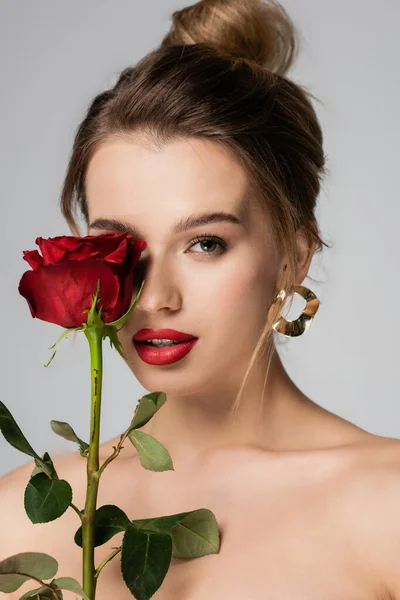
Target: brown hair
219,74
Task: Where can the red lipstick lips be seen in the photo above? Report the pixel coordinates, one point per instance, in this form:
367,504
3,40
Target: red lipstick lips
144,335
167,355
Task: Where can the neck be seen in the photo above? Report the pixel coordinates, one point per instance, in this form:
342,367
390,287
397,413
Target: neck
196,426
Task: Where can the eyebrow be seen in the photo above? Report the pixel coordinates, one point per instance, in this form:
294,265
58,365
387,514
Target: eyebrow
183,224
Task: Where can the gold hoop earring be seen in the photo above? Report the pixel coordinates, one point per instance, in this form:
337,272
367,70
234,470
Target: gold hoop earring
300,325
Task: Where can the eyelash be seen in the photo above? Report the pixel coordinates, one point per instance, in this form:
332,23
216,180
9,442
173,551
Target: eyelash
202,238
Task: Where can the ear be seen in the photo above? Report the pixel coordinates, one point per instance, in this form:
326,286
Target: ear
305,249
305,252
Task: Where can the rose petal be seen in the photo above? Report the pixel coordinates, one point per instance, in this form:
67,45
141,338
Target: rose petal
108,243
33,258
60,293
54,250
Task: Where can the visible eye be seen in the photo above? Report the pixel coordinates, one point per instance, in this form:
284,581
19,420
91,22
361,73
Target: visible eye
222,245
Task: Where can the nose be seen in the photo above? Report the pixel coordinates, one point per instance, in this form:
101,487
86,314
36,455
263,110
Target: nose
160,288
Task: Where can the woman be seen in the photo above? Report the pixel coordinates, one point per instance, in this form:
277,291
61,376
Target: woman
207,151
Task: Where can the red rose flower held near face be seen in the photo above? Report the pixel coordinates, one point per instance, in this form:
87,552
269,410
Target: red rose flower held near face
64,279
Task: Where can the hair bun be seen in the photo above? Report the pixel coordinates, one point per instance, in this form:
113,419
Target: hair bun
258,30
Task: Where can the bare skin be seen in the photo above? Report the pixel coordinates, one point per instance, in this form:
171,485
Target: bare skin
309,522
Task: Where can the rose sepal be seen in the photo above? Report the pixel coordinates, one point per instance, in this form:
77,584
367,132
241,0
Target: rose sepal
94,317
62,336
94,320
110,330
126,316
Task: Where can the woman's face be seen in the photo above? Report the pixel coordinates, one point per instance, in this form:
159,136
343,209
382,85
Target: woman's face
218,290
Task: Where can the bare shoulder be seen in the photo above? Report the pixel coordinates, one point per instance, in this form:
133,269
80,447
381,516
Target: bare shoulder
19,534
372,503
389,503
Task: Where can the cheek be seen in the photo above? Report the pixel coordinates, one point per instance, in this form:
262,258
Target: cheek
236,298
247,303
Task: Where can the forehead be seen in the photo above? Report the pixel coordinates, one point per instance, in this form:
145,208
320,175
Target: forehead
132,176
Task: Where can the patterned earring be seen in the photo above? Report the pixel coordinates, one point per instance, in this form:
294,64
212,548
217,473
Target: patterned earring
300,325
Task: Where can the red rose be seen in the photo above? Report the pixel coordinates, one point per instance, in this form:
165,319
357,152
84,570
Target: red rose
64,280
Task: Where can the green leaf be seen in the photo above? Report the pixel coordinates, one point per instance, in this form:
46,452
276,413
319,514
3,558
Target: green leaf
42,593
65,431
46,499
194,533
146,407
45,465
13,433
16,438
145,560
161,524
109,520
17,569
69,583
152,455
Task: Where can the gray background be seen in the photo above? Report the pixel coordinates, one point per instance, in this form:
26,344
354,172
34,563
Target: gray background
56,56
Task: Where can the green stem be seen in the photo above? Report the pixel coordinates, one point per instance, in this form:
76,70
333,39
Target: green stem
106,560
51,589
94,336
117,450
78,512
